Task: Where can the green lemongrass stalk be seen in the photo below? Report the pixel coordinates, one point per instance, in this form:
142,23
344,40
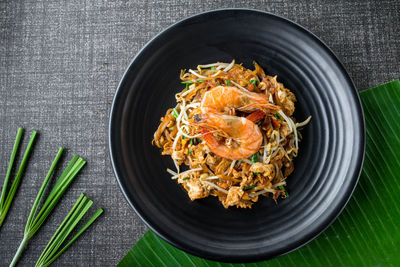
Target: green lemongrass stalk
37,217
7,198
51,251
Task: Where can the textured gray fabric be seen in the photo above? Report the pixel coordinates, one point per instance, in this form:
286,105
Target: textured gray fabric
60,63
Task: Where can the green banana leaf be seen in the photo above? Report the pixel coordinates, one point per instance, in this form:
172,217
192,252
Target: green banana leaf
367,233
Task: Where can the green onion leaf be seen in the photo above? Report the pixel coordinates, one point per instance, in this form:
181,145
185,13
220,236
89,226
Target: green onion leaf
198,140
190,152
249,187
183,137
228,82
175,113
278,116
191,141
213,68
218,84
281,187
254,158
200,81
187,82
37,217
256,173
187,87
52,251
183,179
7,198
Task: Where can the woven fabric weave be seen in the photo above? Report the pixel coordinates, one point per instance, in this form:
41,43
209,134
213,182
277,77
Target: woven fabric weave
60,64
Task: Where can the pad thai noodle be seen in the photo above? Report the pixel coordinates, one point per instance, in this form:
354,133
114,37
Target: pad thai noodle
233,133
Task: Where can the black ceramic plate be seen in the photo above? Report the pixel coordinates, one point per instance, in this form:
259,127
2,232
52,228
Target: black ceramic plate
330,157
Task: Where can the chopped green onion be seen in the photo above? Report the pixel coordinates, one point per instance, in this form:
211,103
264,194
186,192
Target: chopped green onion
254,82
191,141
249,187
175,113
228,82
286,192
187,84
218,84
198,140
254,158
200,81
183,179
183,137
256,173
190,151
278,116
213,68
53,249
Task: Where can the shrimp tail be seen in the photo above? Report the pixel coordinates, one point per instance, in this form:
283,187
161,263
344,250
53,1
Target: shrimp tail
256,116
208,137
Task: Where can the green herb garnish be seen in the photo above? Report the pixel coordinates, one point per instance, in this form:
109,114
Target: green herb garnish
183,137
200,81
183,179
187,84
37,217
228,82
191,141
198,140
254,158
7,197
249,187
256,173
213,68
255,82
175,113
190,151
218,84
278,116
286,192
52,251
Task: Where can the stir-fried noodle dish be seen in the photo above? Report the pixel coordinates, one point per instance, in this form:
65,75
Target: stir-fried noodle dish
232,132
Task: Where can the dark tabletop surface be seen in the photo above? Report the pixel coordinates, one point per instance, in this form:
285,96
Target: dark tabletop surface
60,64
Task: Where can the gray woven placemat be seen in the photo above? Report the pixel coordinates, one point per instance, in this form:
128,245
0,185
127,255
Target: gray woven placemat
60,63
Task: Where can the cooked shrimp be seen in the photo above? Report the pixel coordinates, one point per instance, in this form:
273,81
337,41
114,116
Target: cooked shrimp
246,133
226,98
